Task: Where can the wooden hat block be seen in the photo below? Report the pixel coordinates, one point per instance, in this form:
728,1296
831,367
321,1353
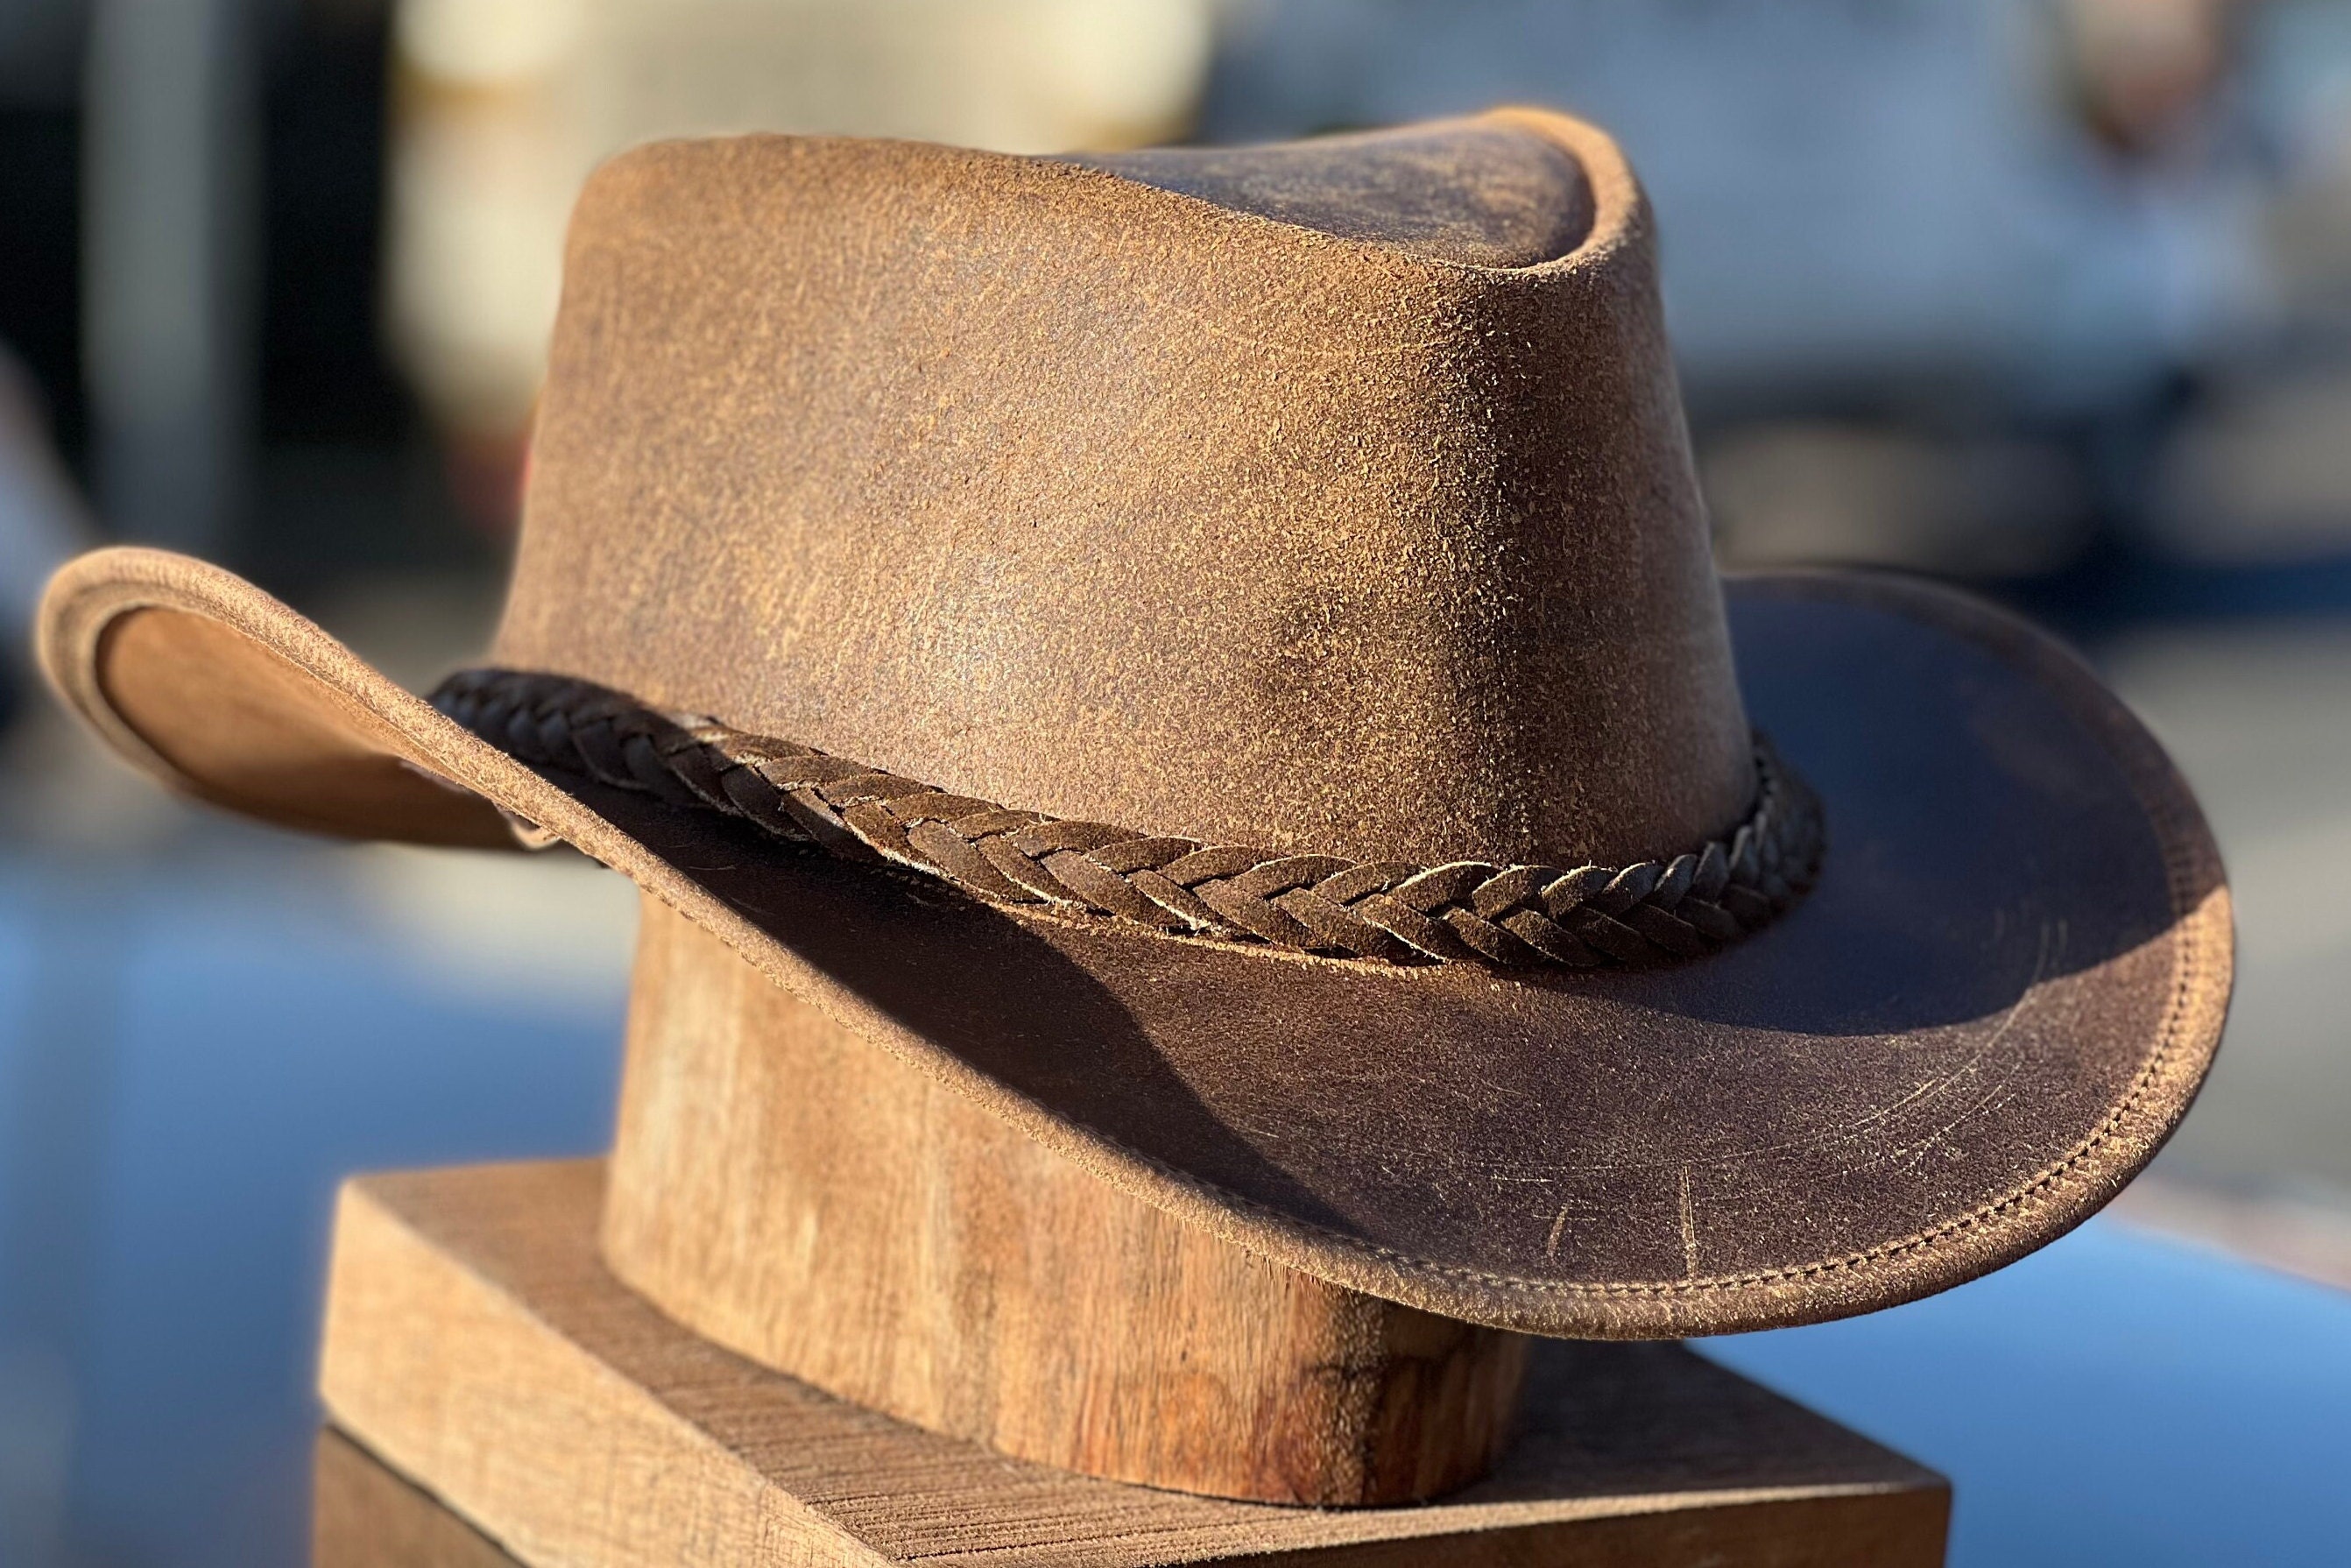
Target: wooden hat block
787,1189
817,1307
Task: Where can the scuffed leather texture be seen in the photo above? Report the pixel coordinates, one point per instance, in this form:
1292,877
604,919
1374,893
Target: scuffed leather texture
1484,195
1985,1016
1048,487
1989,1014
1052,487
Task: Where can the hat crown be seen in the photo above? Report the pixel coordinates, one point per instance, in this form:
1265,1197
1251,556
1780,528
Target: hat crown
1056,486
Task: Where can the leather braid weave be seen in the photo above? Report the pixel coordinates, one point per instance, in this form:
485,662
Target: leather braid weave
1586,917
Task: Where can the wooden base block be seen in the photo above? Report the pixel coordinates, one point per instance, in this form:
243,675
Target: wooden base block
477,1345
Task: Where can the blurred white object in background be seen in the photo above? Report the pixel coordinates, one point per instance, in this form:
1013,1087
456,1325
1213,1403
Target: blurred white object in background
504,106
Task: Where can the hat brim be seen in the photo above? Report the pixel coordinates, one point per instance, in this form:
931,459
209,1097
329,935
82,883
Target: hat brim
1996,1002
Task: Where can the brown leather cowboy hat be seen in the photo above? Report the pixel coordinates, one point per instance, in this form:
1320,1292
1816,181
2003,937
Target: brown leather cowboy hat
1351,815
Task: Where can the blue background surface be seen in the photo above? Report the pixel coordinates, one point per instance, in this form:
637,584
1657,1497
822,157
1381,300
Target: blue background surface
189,1065
2116,1398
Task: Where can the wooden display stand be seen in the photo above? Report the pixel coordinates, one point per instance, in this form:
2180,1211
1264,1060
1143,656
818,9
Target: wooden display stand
817,1309
788,1190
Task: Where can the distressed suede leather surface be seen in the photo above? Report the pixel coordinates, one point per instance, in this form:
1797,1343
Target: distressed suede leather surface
1092,496
1059,491
1481,194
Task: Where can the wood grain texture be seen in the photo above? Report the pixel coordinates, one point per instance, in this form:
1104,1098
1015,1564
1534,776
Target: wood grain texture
793,1192
365,1515
477,1345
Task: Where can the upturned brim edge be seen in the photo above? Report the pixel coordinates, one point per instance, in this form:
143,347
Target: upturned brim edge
301,732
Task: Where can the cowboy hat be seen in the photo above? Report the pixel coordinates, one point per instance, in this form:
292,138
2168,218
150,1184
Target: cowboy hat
1215,654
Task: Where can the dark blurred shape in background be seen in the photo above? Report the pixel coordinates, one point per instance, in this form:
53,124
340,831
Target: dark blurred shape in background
2050,295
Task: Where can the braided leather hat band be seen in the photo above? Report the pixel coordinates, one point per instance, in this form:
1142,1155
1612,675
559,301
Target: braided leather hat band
1583,917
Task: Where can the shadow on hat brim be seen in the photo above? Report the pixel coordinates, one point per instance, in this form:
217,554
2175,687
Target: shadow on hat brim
1994,1007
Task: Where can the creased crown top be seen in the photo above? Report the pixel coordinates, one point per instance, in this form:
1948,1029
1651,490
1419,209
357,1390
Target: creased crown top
1045,484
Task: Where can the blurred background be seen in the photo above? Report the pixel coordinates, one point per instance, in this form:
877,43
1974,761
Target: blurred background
2049,296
